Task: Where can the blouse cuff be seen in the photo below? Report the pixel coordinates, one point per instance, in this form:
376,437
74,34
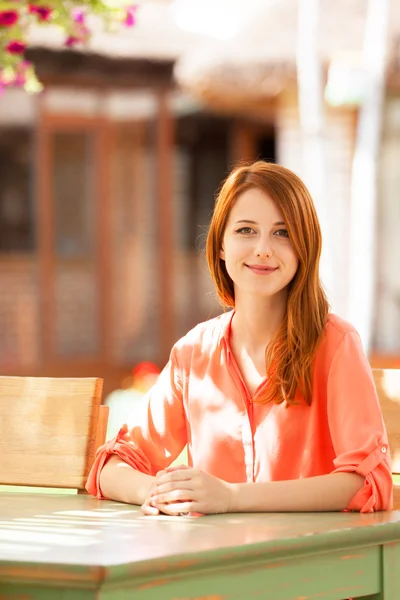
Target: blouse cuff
127,452
369,498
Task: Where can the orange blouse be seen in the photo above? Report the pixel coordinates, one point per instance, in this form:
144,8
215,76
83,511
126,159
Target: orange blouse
201,400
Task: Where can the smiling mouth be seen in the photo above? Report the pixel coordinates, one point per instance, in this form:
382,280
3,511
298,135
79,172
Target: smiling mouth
262,269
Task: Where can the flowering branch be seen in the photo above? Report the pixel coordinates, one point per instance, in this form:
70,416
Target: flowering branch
17,16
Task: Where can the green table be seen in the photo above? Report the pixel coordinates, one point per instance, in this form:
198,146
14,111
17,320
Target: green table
76,547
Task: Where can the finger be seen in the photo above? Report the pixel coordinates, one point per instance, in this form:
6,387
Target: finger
172,468
181,475
177,509
147,509
171,486
173,496
177,468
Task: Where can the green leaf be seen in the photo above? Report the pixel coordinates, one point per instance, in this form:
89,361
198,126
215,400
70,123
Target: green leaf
112,12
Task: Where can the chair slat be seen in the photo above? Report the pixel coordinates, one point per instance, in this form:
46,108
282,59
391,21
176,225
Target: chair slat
49,430
387,383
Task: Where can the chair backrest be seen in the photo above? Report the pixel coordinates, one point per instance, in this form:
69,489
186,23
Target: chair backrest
387,383
50,429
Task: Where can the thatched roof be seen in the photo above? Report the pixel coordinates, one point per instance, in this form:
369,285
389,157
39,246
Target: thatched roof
261,59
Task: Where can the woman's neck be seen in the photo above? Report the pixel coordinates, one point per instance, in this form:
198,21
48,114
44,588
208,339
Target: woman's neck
255,322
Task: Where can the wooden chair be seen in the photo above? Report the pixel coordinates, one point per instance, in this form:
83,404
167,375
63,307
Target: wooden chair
387,383
50,429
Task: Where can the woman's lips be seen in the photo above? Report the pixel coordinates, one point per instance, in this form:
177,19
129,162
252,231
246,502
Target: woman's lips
262,269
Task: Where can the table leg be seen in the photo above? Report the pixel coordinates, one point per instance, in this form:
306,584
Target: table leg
391,571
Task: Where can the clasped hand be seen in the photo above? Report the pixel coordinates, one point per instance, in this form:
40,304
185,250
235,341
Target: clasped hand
182,490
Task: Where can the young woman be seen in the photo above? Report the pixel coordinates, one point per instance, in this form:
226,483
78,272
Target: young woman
275,399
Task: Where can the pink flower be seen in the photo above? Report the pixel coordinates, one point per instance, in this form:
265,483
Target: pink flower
2,83
130,18
72,41
8,18
80,32
19,80
16,47
78,15
42,12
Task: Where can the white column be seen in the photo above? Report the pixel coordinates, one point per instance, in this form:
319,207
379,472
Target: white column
311,115
362,231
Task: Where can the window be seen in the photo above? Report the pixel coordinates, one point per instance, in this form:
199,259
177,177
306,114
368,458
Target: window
16,190
73,189
201,163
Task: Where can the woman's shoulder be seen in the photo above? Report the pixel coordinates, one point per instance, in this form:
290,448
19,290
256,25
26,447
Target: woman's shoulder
337,332
338,327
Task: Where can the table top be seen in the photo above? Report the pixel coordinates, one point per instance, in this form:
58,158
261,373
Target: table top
98,537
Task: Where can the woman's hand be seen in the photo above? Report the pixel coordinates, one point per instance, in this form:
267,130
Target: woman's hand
147,508
182,490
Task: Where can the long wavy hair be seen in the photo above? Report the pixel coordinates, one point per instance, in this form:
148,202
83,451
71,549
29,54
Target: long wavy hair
290,355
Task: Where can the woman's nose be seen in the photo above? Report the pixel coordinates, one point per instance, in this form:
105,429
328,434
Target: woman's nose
263,251
265,254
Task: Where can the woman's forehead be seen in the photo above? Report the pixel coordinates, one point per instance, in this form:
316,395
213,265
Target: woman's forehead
255,204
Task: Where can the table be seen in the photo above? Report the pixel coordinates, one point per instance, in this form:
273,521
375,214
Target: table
79,548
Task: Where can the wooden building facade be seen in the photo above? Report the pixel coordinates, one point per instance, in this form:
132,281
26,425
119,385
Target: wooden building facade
107,183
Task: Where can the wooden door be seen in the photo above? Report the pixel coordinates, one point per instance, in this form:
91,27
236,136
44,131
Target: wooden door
73,232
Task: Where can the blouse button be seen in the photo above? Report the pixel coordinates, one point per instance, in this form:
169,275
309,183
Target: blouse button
384,449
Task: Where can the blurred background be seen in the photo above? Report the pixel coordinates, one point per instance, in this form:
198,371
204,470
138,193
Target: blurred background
109,175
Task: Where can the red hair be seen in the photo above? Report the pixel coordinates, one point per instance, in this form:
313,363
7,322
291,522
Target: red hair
290,356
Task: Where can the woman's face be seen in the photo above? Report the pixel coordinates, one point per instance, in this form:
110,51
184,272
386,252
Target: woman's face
257,251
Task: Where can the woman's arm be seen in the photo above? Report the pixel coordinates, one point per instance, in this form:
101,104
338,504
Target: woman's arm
154,435
182,490
331,492
121,482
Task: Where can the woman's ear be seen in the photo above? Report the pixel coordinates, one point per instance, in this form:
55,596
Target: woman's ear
222,254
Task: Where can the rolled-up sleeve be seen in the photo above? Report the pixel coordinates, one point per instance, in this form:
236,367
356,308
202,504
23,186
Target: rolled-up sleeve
155,433
356,425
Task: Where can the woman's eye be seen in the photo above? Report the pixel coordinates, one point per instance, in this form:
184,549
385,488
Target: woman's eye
282,233
245,230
